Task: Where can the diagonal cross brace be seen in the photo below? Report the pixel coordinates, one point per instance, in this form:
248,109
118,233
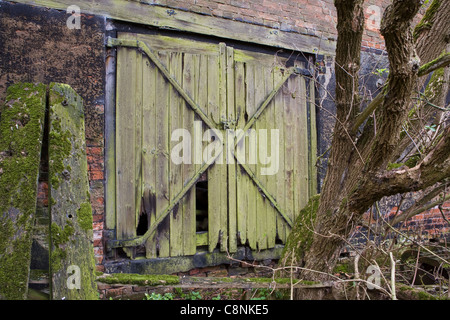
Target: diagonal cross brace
143,47
249,124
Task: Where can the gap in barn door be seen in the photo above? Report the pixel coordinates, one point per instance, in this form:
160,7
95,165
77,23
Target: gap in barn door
201,211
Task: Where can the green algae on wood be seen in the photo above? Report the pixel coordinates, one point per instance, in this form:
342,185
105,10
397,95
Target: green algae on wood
21,133
71,212
139,279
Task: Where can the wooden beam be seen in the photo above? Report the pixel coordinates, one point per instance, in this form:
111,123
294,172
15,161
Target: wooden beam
174,19
71,248
21,134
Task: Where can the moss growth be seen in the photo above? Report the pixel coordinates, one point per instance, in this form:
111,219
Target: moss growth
434,87
391,166
343,268
84,216
428,19
21,130
60,237
282,281
412,161
415,294
300,238
59,149
139,279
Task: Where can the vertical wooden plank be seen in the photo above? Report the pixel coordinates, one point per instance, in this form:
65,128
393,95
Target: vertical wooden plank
200,86
71,233
312,138
149,149
125,144
303,190
271,213
299,138
22,128
280,176
176,107
288,155
251,154
223,205
261,205
163,158
241,175
138,131
189,214
214,182
231,166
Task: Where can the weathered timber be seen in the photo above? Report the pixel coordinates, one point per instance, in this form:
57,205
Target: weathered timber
158,16
226,91
125,141
223,204
21,134
231,166
72,262
214,178
190,76
162,282
175,171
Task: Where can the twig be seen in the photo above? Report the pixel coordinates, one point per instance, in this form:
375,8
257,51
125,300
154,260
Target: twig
394,297
416,267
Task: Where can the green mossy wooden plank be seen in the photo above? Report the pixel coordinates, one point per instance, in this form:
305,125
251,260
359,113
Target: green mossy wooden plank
300,144
163,158
288,147
21,133
190,76
312,151
271,150
70,208
281,175
261,206
149,149
304,188
241,176
214,183
251,156
231,166
223,204
125,144
138,92
175,170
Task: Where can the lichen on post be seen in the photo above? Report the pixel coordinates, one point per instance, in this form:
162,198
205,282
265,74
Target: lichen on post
71,213
21,134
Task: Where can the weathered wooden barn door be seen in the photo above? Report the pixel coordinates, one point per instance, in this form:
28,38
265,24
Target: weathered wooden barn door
209,139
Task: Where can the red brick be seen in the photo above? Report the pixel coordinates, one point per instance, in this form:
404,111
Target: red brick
96,175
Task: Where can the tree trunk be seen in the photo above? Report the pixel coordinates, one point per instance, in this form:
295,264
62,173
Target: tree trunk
357,174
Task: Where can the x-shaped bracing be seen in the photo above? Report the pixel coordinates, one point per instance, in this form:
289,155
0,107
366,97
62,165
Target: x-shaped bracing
143,47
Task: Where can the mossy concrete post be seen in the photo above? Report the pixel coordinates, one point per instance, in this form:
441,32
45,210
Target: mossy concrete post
72,254
21,133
